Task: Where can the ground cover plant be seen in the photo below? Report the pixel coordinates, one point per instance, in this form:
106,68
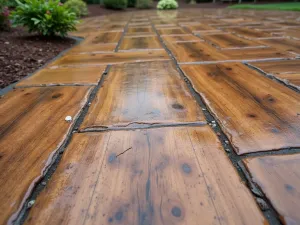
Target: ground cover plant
79,7
47,18
289,6
167,4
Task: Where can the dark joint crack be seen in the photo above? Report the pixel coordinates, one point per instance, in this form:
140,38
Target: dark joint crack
123,152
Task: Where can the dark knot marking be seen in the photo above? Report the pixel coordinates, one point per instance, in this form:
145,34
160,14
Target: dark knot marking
289,187
119,215
177,106
56,95
186,168
112,157
251,115
176,211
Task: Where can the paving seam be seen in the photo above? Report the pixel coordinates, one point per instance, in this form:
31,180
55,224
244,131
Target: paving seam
41,184
270,213
273,77
142,126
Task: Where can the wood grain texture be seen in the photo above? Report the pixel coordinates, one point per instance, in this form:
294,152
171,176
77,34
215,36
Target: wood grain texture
290,78
142,94
146,42
195,51
287,71
199,27
171,31
249,33
181,38
65,76
279,178
260,115
139,30
93,48
32,127
283,44
110,58
227,40
103,37
277,67
256,53
166,176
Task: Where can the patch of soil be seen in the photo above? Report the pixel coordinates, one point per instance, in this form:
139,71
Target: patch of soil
22,53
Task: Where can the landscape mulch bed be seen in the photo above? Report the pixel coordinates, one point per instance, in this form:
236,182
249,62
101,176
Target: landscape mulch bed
22,53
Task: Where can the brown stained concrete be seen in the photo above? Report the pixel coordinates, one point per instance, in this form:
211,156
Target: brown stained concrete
142,90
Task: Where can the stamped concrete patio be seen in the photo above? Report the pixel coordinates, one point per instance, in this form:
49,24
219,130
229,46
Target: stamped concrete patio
178,117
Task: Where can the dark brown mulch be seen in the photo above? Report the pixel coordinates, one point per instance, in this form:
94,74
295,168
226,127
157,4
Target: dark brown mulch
22,53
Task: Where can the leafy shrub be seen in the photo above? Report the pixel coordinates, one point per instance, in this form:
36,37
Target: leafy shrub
144,4
4,13
46,17
115,4
78,7
131,3
167,4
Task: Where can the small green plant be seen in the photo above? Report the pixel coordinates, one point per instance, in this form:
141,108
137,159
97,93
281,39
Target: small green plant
4,14
78,7
167,4
115,4
46,17
143,4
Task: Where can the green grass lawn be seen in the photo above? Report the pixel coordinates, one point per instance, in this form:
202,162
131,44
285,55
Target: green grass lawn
292,6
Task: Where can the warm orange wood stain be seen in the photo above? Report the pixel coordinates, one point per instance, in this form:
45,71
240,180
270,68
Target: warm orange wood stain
278,177
32,127
166,176
143,93
88,48
146,42
260,115
110,58
228,40
63,76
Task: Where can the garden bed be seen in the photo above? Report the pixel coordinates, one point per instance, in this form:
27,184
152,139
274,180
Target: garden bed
22,53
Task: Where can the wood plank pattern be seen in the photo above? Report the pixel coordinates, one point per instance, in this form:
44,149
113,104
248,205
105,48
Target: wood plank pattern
166,176
110,58
132,30
171,31
198,27
93,48
283,44
277,67
159,97
32,127
65,76
181,38
256,54
248,32
260,115
146,42
227,40
195,51
279,179
290,78
103,38
287,71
